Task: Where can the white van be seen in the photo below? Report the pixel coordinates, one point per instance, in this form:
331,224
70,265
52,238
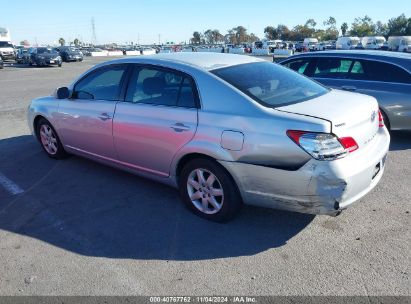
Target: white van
373,42
347,43
405,44
310,44
394,43
6,47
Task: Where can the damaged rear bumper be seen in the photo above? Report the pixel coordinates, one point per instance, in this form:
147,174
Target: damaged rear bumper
319,187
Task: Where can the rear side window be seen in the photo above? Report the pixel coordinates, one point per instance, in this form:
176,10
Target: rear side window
381,71
270,84
155,86
103,84
332,68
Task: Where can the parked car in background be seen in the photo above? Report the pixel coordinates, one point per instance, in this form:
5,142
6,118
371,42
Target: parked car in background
321,46
373,42
394,43
22,55
310,44
347,43
70,53
44,56
7,51
385,46
1,63
278,140
299,46
405,44
383,75
359,46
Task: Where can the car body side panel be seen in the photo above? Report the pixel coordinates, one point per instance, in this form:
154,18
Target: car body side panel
149,136
87,125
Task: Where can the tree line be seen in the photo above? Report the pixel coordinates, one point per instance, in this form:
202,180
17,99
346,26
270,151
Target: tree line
361,26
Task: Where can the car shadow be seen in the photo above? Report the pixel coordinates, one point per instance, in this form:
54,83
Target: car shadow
400,140
94,210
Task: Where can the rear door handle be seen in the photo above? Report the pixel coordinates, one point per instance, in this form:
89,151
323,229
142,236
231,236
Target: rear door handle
349,88
180,127
104,116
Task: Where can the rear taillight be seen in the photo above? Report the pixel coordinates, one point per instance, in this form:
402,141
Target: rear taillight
349,144
323,146
380,119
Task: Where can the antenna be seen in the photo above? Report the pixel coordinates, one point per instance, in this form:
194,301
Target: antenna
93,32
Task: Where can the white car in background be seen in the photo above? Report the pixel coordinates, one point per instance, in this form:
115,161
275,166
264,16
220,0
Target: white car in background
347,43
373,42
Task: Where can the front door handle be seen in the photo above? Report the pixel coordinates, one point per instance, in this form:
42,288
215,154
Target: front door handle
349,88
180,127
104,116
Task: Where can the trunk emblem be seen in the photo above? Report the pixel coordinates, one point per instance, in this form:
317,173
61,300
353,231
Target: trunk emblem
373,115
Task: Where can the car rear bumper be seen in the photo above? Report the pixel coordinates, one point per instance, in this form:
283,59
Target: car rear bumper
319,187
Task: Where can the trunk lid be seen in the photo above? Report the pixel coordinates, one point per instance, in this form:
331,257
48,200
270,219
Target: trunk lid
350,114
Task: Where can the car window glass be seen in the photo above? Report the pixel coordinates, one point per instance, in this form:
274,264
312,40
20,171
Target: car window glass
187,96
381,71
160,87
103,84
332,68
270,84
298,65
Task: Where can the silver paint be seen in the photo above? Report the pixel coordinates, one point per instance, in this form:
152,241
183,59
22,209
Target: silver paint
246,138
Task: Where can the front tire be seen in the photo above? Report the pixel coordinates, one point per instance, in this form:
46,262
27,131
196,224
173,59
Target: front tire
49,140
209,191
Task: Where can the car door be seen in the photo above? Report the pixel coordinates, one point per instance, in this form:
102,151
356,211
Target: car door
389,84
157,117
85,120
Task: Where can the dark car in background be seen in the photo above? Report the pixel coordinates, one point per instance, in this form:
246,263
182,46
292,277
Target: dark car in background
22,55
383,75
44,56
69,53
1,63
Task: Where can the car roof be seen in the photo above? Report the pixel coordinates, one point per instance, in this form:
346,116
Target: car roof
205,61
402,59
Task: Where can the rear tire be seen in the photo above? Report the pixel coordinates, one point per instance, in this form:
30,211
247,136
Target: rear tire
209,191
49,140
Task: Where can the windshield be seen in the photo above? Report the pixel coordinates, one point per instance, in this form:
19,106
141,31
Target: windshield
5,44
271,84
380,41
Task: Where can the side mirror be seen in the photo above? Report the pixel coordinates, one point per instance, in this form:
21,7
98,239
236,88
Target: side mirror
63,93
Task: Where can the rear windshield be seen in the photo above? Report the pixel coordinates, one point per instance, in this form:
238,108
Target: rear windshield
271,84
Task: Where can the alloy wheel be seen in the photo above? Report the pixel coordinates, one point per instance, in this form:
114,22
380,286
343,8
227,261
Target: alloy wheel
205,191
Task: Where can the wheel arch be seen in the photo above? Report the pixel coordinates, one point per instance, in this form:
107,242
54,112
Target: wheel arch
387,121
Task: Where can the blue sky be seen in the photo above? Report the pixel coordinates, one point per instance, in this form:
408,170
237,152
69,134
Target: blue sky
175,20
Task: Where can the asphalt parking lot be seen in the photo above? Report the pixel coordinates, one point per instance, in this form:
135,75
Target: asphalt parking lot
75,227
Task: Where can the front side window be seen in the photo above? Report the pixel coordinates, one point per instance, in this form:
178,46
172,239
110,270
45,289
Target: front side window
270,84
299,65
103,84
150,85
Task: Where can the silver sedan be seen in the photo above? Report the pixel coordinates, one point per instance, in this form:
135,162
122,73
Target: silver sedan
223,129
